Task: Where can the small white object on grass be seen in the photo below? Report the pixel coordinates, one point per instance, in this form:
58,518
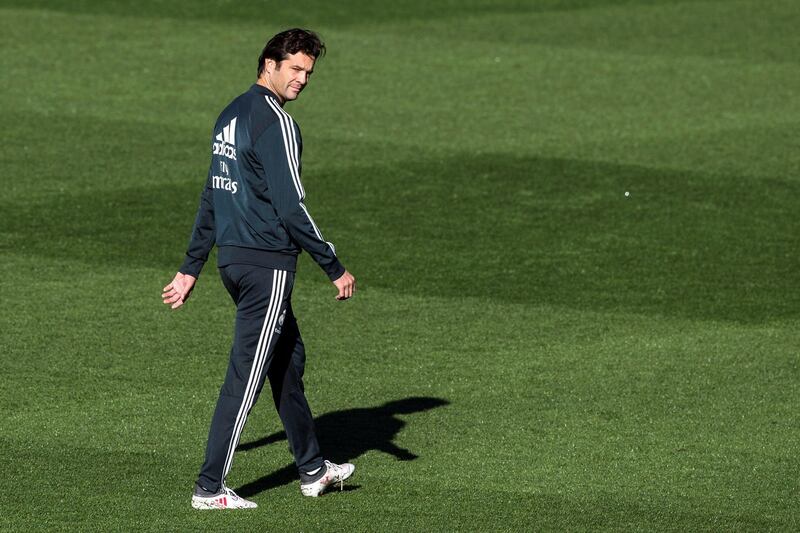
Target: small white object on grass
627,193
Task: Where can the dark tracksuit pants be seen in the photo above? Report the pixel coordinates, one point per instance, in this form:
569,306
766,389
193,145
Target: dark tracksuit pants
266,344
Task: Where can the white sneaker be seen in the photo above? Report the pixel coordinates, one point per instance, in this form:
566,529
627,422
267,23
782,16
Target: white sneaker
226,499
333,474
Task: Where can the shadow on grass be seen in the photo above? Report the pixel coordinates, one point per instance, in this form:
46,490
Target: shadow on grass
346,435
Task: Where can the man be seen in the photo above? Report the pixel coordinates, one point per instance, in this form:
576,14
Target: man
252,209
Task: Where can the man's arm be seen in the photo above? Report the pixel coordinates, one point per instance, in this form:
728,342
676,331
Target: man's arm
200,244
277,150
204,234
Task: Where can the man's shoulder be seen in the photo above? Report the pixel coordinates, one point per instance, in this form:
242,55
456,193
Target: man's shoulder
252,111
245,103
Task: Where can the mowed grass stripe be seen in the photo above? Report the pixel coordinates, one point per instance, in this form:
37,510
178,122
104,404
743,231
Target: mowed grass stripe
353,15
765,33
569,351
556,99
143,490
682,243
159,487
144,154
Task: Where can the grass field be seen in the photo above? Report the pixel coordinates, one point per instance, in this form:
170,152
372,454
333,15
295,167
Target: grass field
530,349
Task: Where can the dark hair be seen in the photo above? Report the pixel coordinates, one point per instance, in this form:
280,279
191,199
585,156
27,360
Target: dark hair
291,42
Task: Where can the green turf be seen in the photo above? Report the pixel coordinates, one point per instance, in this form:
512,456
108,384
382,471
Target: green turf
568,357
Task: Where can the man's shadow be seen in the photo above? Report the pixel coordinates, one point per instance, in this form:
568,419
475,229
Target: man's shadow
345,435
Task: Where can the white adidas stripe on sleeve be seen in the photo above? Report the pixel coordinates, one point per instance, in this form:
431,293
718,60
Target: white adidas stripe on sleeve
289,144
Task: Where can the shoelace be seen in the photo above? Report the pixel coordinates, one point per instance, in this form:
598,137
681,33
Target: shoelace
337,470
230,493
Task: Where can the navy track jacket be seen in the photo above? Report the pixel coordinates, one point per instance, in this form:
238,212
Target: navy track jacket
252,204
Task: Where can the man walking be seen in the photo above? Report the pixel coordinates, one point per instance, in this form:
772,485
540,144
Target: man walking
252,209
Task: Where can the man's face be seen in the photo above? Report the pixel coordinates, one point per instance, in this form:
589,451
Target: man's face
288,77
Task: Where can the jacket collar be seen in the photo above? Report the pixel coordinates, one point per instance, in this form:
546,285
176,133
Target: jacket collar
260,89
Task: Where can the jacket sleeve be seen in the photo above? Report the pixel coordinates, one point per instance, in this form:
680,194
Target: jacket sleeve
203,234
277,149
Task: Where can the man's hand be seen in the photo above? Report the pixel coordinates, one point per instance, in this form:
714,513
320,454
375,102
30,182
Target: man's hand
178,291
346,285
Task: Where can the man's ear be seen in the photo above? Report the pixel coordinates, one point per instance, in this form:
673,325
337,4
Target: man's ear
270,65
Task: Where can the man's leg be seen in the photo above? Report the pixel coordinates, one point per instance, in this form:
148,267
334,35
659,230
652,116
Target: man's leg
286,380
261,296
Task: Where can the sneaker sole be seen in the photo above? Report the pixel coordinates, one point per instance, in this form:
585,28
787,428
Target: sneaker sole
205,506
